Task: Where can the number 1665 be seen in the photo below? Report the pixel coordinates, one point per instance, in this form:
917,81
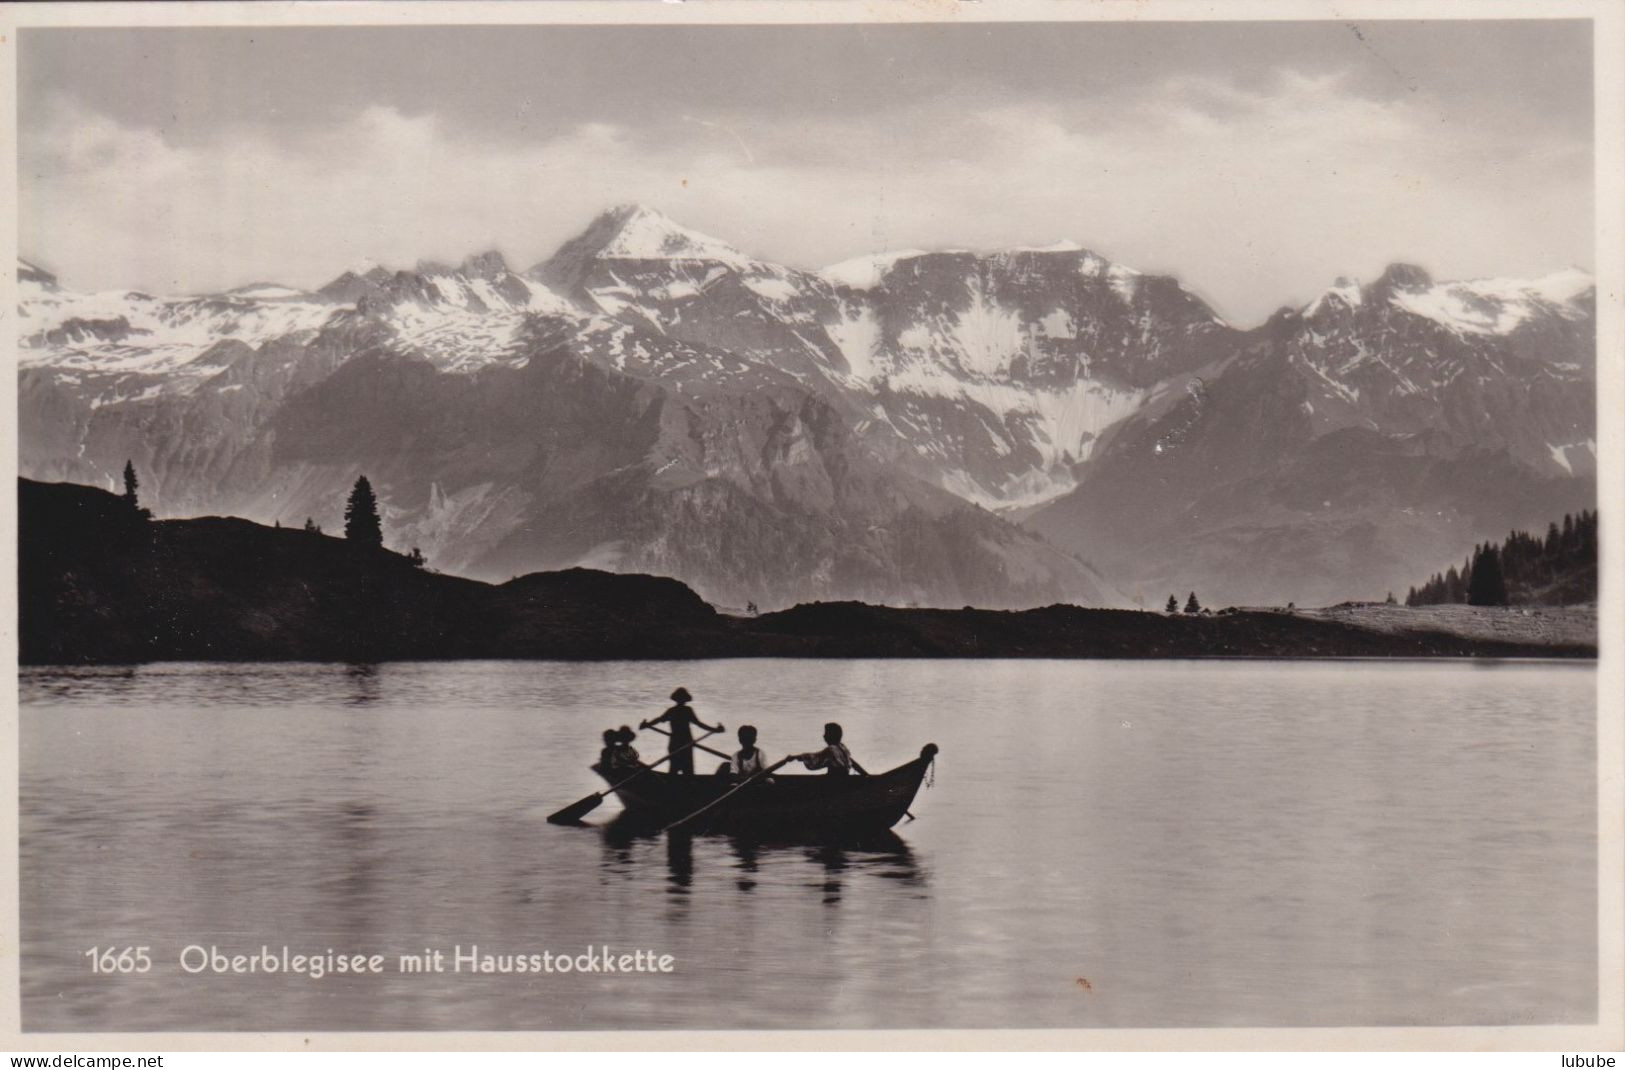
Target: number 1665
112,960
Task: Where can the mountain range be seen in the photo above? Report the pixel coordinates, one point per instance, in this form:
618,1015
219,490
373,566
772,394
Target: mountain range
1002,429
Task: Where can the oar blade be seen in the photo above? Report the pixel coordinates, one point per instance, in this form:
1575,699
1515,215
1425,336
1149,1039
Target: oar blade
572,814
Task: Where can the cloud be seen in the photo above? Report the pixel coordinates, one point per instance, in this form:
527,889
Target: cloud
1253,194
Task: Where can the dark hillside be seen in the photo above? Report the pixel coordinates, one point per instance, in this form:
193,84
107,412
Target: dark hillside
100,583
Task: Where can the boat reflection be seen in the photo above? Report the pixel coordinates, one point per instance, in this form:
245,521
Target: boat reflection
884,855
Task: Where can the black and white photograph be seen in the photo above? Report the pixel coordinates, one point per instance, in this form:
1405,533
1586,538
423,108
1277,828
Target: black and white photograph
667,519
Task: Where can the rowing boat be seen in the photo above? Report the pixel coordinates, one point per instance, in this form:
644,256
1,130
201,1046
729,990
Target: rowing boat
783,806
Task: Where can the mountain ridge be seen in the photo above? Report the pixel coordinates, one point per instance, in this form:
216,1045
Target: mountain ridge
1009,381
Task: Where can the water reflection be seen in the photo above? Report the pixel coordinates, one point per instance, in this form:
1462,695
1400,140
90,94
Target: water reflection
745,852
1187,866
679,863
363,683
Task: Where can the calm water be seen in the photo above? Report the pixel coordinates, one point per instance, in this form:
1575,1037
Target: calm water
1106,844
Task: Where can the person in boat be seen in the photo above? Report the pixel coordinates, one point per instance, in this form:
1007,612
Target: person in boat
682,720
618,752
748,760
626,756
834,757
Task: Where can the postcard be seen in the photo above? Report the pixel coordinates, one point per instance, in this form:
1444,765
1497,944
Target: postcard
666,524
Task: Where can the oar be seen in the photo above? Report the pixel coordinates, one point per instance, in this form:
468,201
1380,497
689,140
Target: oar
582,807
719,800
696,745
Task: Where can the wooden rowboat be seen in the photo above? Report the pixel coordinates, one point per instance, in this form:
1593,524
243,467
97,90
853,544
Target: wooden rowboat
783,806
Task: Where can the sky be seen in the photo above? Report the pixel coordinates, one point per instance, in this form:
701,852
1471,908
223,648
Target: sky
1257,162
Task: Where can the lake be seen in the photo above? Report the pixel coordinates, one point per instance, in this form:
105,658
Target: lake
1104,844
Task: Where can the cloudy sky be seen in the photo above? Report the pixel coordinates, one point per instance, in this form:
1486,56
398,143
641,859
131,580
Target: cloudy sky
1256,161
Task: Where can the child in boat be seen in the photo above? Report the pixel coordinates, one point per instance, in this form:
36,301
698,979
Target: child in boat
834,757
681,718
748,759
624,756
612,741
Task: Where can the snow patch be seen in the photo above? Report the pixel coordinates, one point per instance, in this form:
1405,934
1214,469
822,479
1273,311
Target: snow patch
1125,282
857,335
1058,324
774,289
646,234
1064,423
1497,306
1344,291
865,272
266,292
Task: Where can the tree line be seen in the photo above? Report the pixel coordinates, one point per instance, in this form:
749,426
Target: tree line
362,524
1497,574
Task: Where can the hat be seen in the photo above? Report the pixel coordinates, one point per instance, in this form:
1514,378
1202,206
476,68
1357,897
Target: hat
626,734
681,695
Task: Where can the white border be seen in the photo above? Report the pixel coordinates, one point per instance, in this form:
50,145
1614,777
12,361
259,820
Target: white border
1609,42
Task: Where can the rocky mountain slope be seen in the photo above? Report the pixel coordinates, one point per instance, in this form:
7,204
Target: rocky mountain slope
1343,441
653,399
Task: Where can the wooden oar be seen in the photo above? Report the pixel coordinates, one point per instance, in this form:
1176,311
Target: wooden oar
725,796
696,745
582,807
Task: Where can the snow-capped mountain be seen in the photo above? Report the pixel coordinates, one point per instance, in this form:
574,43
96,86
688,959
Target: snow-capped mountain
988,374
653,398
1376,426
511,428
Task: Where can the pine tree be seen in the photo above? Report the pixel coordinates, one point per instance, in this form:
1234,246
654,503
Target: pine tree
1454,589
312,527
1488,587
1392,601
361,523
130,483
1192,605
417,559
1173,604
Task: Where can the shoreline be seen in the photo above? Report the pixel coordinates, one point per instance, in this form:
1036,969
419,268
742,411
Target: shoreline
99,585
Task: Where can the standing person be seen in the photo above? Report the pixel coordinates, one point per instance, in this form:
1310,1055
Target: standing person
681,718
834,757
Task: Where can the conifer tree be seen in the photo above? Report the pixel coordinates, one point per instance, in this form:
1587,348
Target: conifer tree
1173,604
130,483
1487,587
1192,605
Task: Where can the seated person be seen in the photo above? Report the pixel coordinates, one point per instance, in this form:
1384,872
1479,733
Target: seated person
834,757
612,739
748,760
625,755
